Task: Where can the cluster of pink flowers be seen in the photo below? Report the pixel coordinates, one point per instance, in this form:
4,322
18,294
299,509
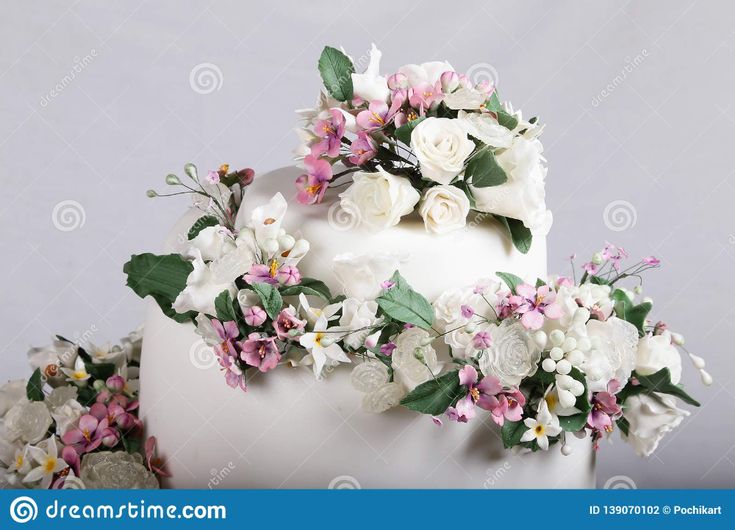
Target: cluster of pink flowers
531,304
370,122
487,393
261,349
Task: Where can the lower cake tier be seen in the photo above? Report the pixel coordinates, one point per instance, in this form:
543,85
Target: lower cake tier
292,431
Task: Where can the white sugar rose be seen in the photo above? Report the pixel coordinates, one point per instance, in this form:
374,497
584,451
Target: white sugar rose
67,415
613,352
650,419
658,352
28,421
465,98
448,306
372,378
441,146
522,196
444,209
379,199
414,362
12,393
361,275
116,470
486,128
513,355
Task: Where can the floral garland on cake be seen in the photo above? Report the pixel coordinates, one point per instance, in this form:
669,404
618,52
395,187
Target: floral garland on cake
423,138
545,360
74,423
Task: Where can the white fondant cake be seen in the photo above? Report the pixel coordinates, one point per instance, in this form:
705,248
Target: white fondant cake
291,431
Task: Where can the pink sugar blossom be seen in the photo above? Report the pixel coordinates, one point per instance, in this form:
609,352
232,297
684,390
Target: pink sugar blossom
287,324
330,132
260,352
487,394
313,184
362,149
254,316
288,275
534,304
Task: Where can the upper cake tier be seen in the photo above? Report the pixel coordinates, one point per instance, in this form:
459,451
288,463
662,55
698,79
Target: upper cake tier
424,138
431,262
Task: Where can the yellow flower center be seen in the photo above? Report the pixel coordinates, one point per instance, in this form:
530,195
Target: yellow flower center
318,339
224,168
49,465
273,268
19,461
79,375
377,118
551,401
539,430
475,394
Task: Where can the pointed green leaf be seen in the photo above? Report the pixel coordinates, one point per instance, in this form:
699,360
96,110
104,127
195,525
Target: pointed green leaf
507,120
483,171
224,307
271,298
511,280
34,387
511,432
574,422
436,395
200,224
519,234
336,70
309,287
405,305
403,133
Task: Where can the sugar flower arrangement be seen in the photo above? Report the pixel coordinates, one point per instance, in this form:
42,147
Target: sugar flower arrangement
74,423
544,360
426,138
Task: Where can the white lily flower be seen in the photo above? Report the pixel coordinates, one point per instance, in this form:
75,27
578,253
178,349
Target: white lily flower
48,462
313,314
323,347
539,429
78,374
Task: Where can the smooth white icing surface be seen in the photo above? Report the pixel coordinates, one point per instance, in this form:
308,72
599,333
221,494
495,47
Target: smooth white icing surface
291,431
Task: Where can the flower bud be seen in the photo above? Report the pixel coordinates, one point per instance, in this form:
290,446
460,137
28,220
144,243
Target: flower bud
270,246
678,339
116,383
172,180
398,81
246,176
566,450
597,258
191,171
449,81
151,194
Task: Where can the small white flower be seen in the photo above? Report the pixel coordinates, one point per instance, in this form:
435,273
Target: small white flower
322,345
313,314
379,200
21,463
77,375
441,146
444,209
133,344
50,359
650,418
612,353
107,354
48,463
658,352
413,361
539,429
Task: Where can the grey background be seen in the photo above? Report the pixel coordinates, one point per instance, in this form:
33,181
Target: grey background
655,132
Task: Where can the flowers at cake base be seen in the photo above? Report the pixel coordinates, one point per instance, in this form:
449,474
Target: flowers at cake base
58,424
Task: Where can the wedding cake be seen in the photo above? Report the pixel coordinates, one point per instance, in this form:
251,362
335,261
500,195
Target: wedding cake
400,268
378,316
